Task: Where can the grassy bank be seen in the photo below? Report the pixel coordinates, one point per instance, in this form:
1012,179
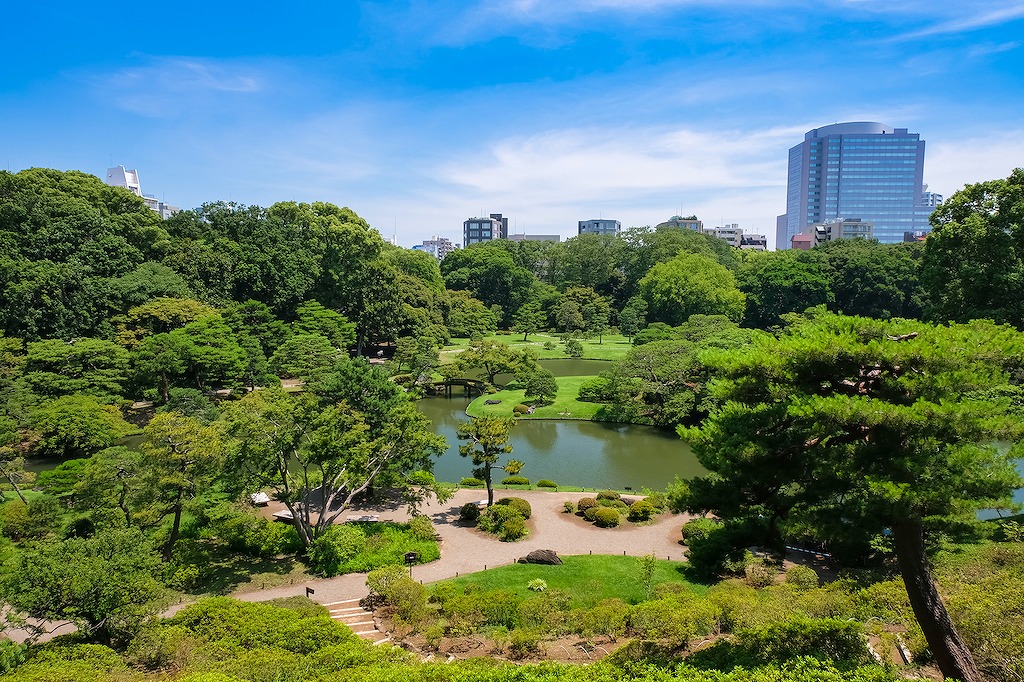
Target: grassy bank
565,406
586,579
611,347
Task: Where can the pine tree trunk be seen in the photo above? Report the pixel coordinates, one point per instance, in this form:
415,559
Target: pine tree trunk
951,653
490,485
175,529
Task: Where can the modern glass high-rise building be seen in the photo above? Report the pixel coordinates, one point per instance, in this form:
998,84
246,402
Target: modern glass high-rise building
861,170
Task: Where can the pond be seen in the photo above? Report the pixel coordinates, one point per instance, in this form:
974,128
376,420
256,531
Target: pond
579,453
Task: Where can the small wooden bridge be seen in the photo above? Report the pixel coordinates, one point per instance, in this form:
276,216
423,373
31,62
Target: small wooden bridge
470,387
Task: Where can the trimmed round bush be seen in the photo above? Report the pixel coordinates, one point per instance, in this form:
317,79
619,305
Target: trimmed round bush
596,390
585,503
568,506
521,409
519,504
606,517
515,480
802,577
699,529
513,529
641,510
422,528
471,483
469,513
545,483
494,518
609,495
590,513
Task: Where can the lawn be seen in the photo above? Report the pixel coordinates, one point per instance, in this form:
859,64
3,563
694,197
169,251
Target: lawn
587,579
565,406
614,346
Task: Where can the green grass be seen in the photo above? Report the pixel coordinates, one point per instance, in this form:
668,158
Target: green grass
565,406
613,346
587,579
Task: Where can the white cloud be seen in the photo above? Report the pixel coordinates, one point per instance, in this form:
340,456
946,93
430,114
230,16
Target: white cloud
952,163
971,21
167,86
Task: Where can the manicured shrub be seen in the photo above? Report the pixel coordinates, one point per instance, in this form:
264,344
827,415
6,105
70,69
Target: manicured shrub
513,529
357,548
422,528
471,483
758,573
519,504
585,503
590,513
641,510
802,578
550,345
596,390
469,513
699,529
834,640
608,495
515,480
334,548
494,518
545,483
568,507
606,517
521,409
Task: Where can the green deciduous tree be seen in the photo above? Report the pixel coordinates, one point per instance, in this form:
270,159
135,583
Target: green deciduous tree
528,319
469,317
690,284
318,451
852,426
780,282
487,441
77,426
973,262
541,384
104,584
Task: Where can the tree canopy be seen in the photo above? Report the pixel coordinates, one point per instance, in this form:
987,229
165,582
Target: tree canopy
853,427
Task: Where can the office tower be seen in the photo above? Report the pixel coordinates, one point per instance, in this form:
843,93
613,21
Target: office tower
860,170
599,226
477,230
119,176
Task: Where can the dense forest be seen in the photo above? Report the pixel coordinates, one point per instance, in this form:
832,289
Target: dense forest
858,394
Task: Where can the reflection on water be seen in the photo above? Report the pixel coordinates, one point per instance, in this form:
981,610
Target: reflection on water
583,453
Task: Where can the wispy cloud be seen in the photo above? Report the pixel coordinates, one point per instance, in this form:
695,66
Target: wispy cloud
165,86
969,22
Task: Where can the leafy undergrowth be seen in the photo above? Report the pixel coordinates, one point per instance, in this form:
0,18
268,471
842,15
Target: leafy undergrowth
585,579
222,640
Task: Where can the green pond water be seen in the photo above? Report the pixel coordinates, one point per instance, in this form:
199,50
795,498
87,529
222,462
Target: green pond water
578,453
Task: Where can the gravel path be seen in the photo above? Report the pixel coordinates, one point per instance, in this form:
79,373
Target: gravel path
466,550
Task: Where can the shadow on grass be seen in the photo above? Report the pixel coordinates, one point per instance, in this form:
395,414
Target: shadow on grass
228,571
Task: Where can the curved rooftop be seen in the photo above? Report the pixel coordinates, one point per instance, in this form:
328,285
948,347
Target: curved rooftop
855,128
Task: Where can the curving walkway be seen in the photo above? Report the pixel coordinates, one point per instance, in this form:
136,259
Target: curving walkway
466,550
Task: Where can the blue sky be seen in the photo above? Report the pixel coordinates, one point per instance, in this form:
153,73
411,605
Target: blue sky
420,114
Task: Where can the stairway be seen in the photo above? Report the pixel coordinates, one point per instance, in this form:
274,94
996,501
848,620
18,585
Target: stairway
350,613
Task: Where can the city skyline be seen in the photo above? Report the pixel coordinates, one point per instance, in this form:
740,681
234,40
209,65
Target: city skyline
420,115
